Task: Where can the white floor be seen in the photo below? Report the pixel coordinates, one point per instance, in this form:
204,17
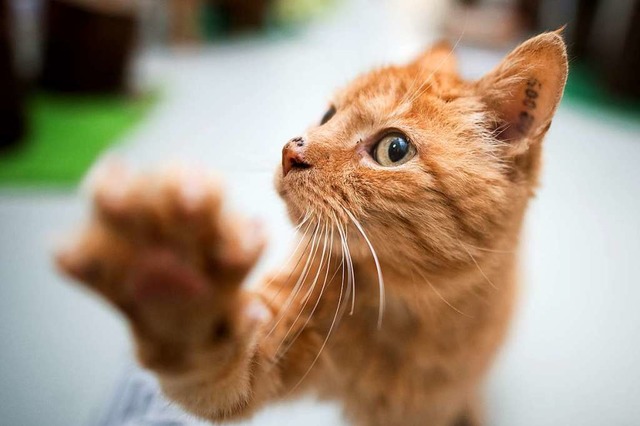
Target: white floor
573,354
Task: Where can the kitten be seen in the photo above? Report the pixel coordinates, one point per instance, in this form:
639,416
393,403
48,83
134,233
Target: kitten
409,197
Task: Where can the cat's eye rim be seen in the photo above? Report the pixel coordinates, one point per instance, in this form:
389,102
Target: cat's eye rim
382,158
328,115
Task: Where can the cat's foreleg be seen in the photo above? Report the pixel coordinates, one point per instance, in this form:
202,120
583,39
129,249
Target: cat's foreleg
163,251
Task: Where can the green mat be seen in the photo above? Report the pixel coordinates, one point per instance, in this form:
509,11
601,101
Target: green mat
66,134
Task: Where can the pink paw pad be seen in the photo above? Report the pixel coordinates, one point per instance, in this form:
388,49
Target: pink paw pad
160,275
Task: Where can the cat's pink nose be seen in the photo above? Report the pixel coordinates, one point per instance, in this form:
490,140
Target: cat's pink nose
293,156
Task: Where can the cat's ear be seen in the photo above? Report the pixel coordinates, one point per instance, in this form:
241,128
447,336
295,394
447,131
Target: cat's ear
439,58
525,89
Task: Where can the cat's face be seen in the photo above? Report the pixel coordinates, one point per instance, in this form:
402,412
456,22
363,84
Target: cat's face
424,161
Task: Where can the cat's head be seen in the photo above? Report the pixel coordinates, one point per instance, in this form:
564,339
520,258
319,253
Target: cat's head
431,166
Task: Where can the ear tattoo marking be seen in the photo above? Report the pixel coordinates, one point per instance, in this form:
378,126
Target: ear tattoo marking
526,118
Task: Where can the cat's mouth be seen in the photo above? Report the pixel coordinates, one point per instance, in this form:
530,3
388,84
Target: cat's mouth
295,165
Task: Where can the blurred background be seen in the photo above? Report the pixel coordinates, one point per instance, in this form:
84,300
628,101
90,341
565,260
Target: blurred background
222,84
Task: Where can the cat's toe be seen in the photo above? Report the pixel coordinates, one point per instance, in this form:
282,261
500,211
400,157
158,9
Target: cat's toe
119,197
71,261
196,194
98,259
243,243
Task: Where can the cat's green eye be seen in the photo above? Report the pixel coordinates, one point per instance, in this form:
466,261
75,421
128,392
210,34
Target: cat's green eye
328,115
393,150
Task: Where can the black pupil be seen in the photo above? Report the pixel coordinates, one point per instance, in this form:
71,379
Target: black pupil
327,115
398,149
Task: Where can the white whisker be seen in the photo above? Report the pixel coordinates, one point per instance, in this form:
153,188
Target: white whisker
351,282
312,287
435,290
488,249
299,283
295,267
333,322
478,266
286,264
313,310
307,216
377,262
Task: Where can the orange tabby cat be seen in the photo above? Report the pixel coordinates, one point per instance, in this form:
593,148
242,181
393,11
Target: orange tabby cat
409,197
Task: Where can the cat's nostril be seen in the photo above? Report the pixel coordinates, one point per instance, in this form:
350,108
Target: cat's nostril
299,141
293,156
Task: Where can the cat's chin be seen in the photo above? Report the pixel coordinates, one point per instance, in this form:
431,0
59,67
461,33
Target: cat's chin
280,185
294,212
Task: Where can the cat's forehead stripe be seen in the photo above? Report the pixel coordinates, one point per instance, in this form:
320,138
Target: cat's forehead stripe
392,91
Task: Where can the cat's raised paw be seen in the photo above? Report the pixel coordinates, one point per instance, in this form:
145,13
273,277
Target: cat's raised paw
162,248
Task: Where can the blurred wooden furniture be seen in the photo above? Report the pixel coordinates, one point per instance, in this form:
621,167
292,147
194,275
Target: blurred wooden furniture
184,21
611,41
188,18
603,34
244,14
88,45
12,118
